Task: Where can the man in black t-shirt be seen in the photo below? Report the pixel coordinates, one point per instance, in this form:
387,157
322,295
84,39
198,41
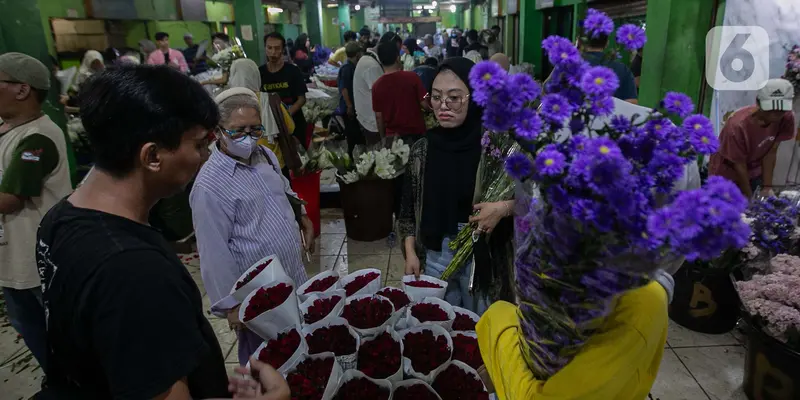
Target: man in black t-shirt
278,76
124,318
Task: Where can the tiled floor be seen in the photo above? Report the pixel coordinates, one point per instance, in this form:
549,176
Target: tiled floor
695,366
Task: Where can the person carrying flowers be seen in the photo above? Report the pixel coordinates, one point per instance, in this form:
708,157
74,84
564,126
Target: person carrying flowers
440,186
605,200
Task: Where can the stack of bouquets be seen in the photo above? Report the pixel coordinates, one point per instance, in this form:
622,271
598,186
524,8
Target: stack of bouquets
772,299
364,281
385,160
315,159
431,310
262,272
226,55
271,308
424,286
597,209
314,377
368,314
283,350
324,282
336,336
427,348
322,306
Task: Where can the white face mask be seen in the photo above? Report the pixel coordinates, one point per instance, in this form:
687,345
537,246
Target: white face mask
241,148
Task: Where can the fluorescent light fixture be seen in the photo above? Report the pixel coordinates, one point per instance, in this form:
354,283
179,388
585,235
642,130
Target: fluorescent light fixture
452,7
274,10
434,4
332,5
358,7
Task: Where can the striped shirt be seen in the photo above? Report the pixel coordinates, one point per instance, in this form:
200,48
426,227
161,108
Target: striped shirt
241,215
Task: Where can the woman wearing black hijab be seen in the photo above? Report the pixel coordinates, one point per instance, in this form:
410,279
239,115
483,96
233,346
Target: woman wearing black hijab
440,192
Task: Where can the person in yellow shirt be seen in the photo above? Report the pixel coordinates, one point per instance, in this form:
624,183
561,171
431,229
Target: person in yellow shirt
339,56
619,362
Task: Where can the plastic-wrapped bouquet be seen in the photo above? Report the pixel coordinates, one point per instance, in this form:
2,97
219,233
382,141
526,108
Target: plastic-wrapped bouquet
773,299
225,57
792,73
316,158
387,160
596,211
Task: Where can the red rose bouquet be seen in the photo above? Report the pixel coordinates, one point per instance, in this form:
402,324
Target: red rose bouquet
323,282
380,357
314,378
354,385
399,298
367,314
414,389
317,308
266,299
338,339
466,349
426,348
252,272
271,309
263,272
465,319
365,281
425,286
457,381
431,310
278,351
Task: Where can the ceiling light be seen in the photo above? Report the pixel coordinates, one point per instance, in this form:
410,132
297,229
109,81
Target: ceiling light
434,4
274,10
452,7
358,7
332,5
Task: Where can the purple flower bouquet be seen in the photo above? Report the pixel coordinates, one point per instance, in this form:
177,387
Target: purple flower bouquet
597,207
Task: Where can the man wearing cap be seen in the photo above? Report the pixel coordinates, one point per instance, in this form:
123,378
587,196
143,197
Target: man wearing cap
34,175
197,64
748,143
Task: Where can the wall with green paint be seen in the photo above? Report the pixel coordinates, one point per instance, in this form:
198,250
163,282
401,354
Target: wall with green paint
344,18
531,35
219,11
357,20
477,18
330,32
57,9
156,10
451,19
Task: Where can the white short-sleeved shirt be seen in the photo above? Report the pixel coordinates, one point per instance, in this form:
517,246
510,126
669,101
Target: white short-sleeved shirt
368,70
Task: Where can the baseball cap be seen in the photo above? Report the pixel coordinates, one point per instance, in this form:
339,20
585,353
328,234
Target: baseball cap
25,69
776,95
188,35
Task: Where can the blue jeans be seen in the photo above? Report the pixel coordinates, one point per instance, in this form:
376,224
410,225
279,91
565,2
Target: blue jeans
26,312
458,293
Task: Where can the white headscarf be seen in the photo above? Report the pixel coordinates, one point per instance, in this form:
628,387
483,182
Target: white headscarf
244,74
88,58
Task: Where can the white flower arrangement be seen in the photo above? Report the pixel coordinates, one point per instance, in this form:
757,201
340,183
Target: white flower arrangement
383,163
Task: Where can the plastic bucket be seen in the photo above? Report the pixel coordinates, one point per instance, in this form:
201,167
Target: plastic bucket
307,188
770,369
705,300
367,207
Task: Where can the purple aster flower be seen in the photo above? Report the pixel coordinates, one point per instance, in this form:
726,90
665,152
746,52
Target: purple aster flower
601,107
659,127
597,24
496,120
487,76
701,134
556,108
486,141
599,82
519,166
528,126
631,36
525,87
550,162
561,51
620,123
678,104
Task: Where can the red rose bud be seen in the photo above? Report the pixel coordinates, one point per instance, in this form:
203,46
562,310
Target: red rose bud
466,350
310,378
369,312
266,299
360,388
463,322
414,392
278,350
321,285
426,351
336,339
398,297
456,384
423,284
252,274
379,358
320,309
426,312
359,283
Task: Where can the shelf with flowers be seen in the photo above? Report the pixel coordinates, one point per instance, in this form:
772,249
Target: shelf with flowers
601,199
366,186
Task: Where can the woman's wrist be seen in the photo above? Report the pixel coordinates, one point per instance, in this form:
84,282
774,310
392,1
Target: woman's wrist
409,245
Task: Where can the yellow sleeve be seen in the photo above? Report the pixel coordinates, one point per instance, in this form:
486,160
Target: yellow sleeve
619,362
339,55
